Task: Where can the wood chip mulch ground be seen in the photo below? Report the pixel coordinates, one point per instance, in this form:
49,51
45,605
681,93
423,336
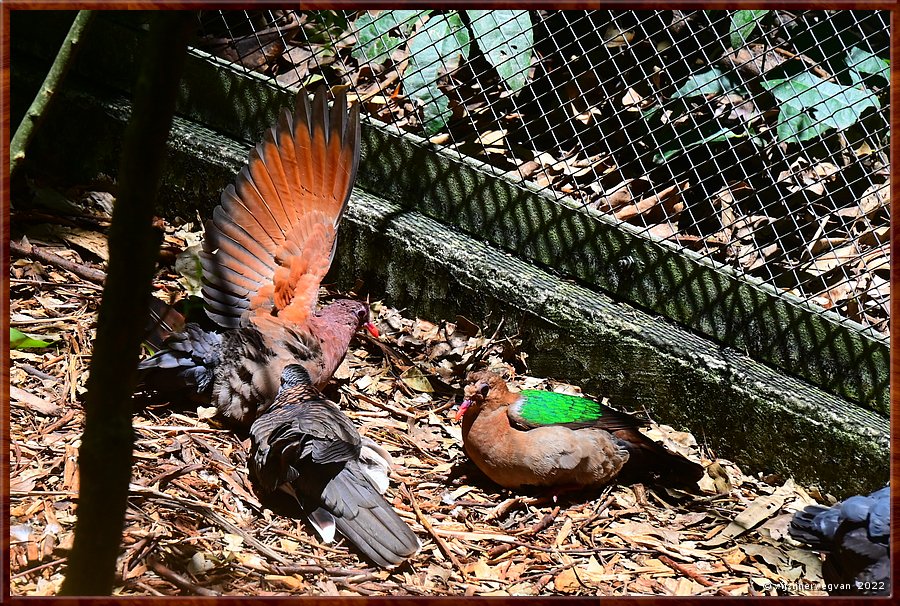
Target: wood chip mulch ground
195,525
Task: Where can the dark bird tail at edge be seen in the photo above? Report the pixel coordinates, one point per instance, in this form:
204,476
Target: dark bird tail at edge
186,354
803,527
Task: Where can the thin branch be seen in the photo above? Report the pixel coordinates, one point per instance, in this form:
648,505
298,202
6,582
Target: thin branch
178,580
441,543
208,512
26,249
64,60
691,574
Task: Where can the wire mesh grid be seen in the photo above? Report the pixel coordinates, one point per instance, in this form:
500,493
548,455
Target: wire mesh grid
758,139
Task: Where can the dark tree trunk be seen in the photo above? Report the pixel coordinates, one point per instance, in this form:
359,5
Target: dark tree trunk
106,447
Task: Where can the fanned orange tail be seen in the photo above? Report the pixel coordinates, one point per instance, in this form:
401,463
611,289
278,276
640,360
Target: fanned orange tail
271,241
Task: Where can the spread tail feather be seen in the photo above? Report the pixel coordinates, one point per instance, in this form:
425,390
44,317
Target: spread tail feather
369,521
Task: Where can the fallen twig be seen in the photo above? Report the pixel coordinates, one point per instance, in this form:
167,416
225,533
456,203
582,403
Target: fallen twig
544,523
36,568
696,576
442,545
70,414
50,284
331,571
471,536
206,510
352,587
34,372
178,580
33,402
25,249
597,512
501,509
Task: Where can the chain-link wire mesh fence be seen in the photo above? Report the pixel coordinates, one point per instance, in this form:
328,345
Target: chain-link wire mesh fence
758,139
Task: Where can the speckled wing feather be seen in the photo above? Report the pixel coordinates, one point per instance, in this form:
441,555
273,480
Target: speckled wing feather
271,239
536,408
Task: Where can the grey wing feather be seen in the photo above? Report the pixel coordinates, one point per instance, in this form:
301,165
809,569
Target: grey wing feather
313,446
367,520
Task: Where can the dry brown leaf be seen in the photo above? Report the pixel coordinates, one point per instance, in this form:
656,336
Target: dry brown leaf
416,379
23,482
666,205
721,483
760,509
563,533
875,236
91,241
566,581
777,527
875,198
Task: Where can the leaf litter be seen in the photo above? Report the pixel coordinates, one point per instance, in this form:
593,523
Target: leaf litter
195,525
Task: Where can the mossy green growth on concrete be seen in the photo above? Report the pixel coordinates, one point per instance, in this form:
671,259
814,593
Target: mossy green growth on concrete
738,311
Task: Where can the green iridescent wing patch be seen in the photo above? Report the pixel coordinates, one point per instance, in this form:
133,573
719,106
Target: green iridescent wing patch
536,408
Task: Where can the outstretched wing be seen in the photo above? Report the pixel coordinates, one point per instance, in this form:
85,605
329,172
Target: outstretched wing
535,408
271,239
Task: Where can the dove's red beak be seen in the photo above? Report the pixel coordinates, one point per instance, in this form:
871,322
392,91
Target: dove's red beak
462,408
373,330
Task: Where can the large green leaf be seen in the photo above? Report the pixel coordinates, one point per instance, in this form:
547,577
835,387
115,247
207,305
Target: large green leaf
373,40
868,63
19,340
710,82
673,143
437,45
506,39
324,26
809,106
742,25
